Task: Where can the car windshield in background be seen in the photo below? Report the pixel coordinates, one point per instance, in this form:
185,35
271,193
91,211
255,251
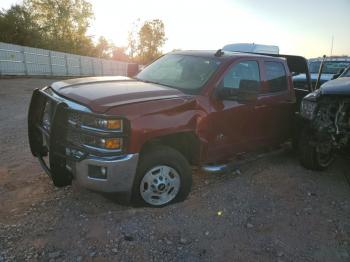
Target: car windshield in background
185,72
346,73
329,67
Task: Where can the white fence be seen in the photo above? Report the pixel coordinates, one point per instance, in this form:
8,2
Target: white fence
22,60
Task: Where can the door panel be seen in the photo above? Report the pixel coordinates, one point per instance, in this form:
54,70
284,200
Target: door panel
274,113
232,129
276,104
232,121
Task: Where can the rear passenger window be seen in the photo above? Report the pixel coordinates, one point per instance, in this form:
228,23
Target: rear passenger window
276,76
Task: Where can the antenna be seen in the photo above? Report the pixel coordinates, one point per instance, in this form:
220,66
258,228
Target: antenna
332,45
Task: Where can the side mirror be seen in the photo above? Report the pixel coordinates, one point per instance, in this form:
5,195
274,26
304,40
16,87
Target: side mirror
247,91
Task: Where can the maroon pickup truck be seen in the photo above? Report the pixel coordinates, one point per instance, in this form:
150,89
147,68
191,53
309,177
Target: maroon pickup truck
139,136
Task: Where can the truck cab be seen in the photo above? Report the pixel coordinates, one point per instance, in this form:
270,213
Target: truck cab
139,137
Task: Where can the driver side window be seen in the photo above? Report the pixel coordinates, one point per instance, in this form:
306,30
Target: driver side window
245,70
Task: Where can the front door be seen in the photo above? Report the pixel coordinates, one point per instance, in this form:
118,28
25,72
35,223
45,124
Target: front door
233,122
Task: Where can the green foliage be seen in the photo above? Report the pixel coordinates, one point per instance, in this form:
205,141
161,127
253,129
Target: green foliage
62,25
151,39
17,26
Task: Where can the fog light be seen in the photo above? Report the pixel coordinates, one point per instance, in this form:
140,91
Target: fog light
104,171
97,172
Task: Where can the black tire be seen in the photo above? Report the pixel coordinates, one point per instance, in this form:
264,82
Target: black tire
295,143
162,155
309,156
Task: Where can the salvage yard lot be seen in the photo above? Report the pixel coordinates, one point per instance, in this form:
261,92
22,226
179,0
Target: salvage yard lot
273,210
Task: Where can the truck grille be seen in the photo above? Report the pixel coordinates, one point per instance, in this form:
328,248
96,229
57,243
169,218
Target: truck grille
75,118
65,129
47,115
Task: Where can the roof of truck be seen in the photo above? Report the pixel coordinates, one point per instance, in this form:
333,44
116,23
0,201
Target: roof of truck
226,55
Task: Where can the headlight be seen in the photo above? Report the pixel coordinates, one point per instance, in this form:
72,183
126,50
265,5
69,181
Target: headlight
308,109
103,132
46,120
112,124
90,121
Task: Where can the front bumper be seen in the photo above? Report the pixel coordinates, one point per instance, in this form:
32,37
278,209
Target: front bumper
119,177
120,169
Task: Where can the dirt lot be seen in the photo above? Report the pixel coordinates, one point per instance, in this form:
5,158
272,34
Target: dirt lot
273,210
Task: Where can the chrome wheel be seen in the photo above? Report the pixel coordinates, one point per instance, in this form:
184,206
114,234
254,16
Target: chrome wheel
160,185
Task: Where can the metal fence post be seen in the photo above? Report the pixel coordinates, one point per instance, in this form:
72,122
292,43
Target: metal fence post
93,66
50,61
24,61
80,66
66,60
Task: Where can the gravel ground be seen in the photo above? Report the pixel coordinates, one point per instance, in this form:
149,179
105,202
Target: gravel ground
272,210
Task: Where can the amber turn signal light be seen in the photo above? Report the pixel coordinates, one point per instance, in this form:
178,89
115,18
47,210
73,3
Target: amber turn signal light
112,143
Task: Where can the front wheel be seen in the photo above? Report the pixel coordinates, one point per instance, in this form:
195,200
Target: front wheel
317,155
163,177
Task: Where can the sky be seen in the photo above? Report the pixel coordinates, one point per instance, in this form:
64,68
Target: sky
300,27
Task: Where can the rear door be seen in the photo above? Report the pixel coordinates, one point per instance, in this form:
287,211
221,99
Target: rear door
275,105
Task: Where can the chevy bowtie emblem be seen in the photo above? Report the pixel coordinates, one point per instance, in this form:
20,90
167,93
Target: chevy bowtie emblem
220,137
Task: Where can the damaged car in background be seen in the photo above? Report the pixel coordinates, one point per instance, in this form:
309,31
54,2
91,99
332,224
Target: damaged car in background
325,123
332,67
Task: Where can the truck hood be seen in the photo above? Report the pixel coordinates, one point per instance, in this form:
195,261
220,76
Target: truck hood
103,93
339,86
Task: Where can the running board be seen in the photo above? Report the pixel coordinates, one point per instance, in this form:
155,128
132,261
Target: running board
235,165
215,169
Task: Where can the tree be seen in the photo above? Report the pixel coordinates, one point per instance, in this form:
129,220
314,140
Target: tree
151,39
17,26
119,54
64,23
103,48
133,40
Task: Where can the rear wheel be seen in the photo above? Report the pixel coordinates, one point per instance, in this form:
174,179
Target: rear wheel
315,156
163,177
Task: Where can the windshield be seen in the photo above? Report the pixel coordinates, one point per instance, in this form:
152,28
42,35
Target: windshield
329,67
346,73
186,72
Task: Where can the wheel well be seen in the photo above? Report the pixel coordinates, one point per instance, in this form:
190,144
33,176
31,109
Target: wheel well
187,143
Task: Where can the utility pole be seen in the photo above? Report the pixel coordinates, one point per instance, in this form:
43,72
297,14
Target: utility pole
332,45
